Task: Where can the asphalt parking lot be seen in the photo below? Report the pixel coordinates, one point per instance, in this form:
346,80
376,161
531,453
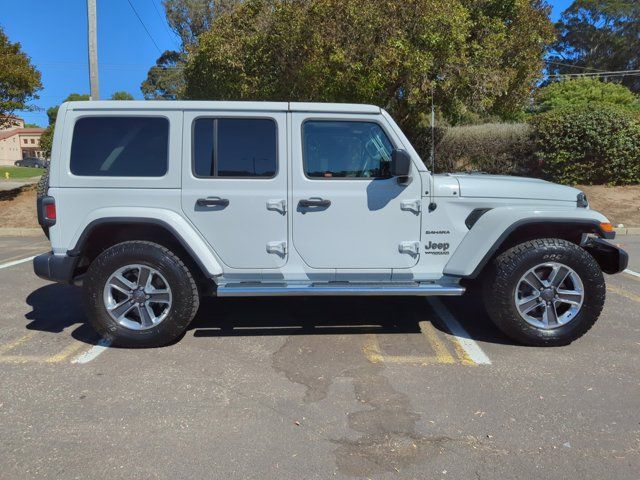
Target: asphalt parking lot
314,388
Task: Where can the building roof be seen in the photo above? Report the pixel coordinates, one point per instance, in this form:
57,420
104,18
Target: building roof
21,131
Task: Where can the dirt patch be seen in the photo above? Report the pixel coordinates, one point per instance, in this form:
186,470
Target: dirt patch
621,205
18,207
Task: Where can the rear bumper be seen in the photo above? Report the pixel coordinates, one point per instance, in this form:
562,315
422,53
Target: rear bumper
612,259
57,268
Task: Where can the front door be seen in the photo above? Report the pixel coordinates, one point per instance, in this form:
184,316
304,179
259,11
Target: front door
348,213
234,185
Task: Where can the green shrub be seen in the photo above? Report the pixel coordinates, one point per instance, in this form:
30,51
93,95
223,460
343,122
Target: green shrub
584,91
590,144
504,148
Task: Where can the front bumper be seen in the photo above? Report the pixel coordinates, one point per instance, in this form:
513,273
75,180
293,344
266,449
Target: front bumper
57,268
612,259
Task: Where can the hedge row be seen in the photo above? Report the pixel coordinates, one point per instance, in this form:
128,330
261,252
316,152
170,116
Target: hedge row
591,144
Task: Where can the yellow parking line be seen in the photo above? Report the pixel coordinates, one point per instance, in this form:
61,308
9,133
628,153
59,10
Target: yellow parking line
56,358
66,353
624,293
441,355
11,345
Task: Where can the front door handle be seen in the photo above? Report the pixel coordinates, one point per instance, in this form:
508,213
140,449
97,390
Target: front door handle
212,202
314,202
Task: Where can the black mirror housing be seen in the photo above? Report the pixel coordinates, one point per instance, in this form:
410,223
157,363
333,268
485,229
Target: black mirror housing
400,163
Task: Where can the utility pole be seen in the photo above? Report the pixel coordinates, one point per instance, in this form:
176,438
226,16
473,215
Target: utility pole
93,49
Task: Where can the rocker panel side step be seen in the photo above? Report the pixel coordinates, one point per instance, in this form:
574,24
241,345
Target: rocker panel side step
245,289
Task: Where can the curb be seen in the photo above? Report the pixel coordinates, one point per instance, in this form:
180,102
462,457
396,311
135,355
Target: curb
21,232
627,231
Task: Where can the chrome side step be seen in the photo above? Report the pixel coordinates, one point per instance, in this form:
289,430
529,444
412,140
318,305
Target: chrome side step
245,289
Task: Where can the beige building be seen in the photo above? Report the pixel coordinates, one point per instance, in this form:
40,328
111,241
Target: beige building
17,142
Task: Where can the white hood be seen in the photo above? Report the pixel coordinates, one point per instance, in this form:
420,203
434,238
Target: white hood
504,186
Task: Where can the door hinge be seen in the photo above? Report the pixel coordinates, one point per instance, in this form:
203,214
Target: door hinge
411,205
412,248
279,248
278,205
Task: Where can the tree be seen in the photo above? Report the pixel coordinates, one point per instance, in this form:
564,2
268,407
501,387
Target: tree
19,79
599,35
165,81
31,125
584,91
188,19
52,112
121,95
481,57
46,139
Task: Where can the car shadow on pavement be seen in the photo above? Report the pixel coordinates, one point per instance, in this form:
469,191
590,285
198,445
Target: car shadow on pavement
469,311
57,307
219,317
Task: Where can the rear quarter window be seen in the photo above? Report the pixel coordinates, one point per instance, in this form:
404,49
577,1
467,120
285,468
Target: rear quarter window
120,146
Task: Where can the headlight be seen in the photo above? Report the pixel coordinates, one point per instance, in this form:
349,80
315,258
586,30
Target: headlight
582,201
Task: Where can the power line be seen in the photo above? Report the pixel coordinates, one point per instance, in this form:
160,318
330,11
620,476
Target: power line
144,26
573,66
164,23
612,73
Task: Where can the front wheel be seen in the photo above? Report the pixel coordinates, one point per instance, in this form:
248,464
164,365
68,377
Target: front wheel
544,292
140,294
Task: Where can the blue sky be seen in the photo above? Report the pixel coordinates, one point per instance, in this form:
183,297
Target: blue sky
54,34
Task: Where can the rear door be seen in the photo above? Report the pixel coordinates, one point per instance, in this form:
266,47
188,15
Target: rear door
234,185
348,212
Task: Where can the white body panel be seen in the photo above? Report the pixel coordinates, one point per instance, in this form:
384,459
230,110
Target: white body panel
365,224
255,219
358,238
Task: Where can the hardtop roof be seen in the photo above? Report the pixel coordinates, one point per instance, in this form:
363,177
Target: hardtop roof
250,106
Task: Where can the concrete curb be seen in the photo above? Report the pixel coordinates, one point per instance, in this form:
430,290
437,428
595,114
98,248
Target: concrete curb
628,231
21,232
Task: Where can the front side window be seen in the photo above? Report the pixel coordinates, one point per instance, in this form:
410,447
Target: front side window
120,146
338,149
234,147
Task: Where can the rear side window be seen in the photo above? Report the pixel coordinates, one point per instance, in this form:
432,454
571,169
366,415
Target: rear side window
120,147
235,147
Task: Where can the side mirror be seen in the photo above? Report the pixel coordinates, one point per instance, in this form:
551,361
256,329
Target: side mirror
400,163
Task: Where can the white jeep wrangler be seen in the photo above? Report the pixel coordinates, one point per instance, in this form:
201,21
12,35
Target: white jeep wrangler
151,205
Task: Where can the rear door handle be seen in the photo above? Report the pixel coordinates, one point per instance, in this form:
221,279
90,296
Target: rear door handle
314,202
212,202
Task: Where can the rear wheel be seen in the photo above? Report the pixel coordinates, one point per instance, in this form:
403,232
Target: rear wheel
140,294
544,292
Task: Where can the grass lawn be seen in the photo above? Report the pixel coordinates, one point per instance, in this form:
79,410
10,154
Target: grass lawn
20,172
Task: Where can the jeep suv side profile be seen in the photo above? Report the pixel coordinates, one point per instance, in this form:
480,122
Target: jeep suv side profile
152,205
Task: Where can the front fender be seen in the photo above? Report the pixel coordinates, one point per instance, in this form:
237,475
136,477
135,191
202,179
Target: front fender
185,233
494,227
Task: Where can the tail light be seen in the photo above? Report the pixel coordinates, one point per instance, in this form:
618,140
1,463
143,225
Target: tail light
46,211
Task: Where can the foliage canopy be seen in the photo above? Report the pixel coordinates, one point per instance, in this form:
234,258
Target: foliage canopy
584,91
19,79
481,57
599,35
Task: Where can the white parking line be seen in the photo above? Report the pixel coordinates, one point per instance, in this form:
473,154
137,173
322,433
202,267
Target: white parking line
17,262
93,352
471,348
631,272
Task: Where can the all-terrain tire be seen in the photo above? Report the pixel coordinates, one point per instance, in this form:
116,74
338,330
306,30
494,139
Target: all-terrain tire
41,190
508,268
184,294
43,184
